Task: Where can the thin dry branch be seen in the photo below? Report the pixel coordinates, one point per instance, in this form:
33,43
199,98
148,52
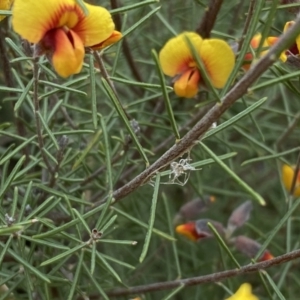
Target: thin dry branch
216,277
247,23
37,118
209,18
189,140
125,46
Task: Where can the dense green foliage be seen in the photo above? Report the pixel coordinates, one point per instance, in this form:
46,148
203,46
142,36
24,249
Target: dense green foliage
44,248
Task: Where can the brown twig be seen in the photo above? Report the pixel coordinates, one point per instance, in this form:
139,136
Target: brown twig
115,159
209,18
37,118
148,132
235,16
108,80
289,130
189,140
216,277
169,140
247,23
63,143
126,49
68,118
197,116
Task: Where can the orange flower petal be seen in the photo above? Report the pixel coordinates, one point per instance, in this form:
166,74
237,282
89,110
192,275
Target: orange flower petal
176,56
271,40
32,19
255,41
96,27
218,59
115,37
187,230
5,5
287,179
67,58
187,84
266,256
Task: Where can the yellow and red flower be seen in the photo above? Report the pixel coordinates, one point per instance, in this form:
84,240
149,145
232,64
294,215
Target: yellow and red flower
294,48
189,230
62,30
243,293
177,61
197,230
5,5
254,43
287,175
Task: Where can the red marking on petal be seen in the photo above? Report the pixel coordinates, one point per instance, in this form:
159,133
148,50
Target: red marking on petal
266,256
66,15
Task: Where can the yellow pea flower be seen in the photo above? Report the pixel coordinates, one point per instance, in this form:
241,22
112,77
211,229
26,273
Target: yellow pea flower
5,5
177,61
62,30
254,43
287,175
293,50
243,293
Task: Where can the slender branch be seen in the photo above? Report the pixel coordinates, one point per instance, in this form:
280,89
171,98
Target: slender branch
68,118
289,130
209,18
125,46
189,140
247,23
63,143
5,62
37,118
96,173
159,286
197,116
107,78
159,108
200,113
235,16
146,133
